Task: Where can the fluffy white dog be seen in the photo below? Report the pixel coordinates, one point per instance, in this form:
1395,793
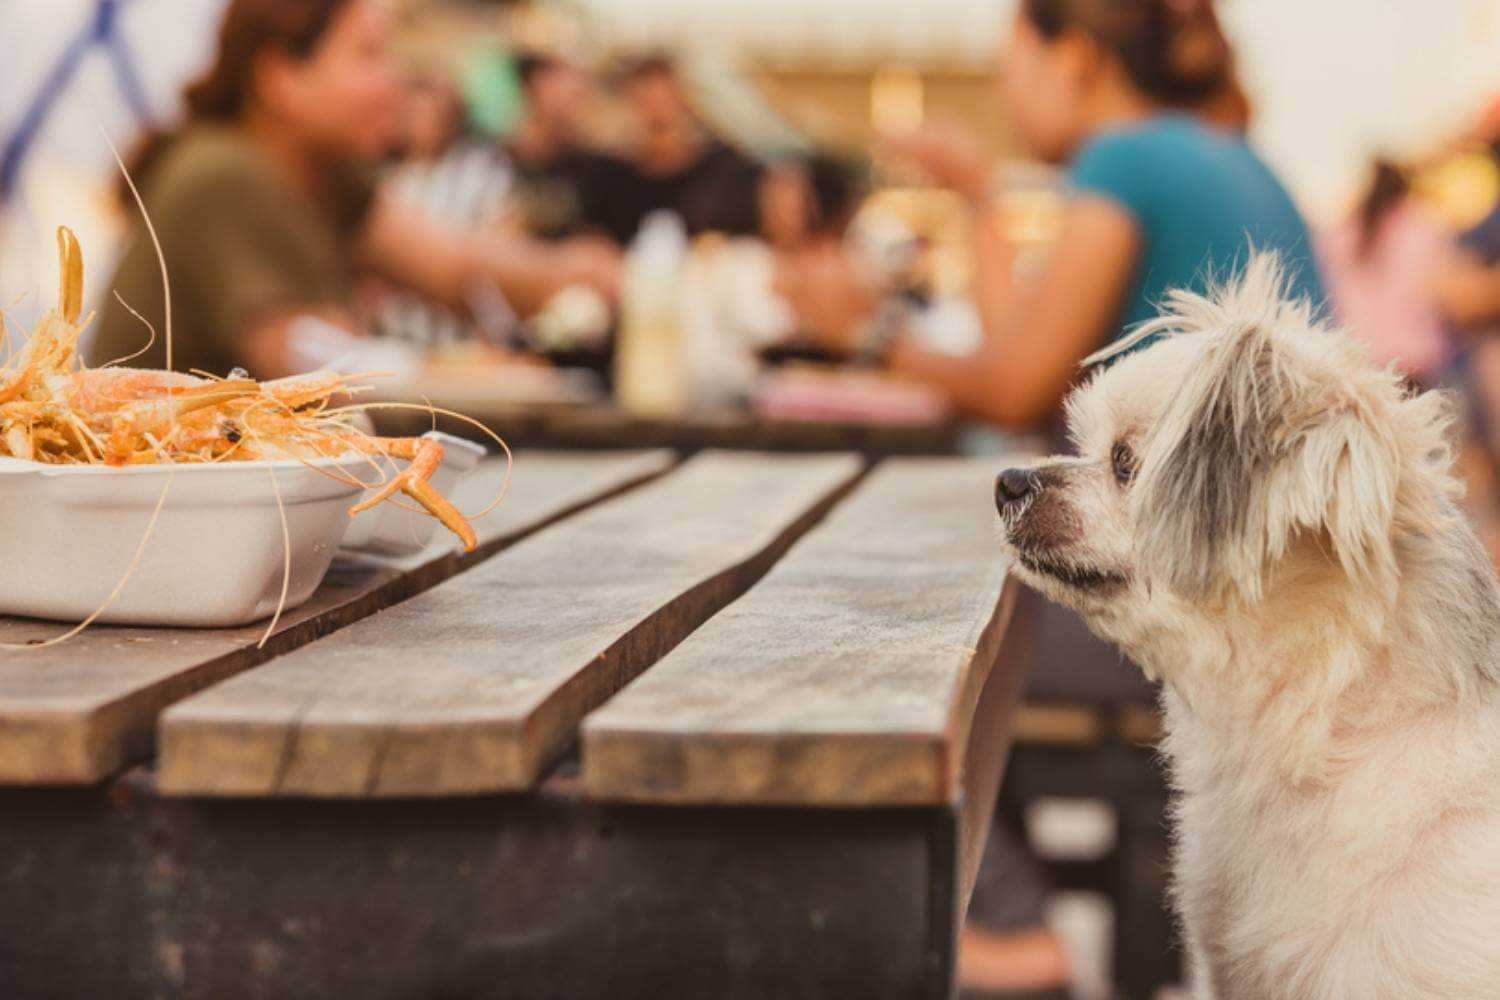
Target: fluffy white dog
1267,522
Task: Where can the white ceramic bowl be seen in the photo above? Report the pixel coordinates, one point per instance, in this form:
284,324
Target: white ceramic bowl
68,535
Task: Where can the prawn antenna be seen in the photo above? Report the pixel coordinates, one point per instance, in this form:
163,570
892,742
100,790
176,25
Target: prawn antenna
161,259
149,340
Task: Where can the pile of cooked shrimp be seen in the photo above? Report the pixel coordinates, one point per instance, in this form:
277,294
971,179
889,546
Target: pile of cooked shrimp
56,410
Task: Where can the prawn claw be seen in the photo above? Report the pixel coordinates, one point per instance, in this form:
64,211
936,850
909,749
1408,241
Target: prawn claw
426,456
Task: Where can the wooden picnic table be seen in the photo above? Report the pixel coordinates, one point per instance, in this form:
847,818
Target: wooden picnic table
729,726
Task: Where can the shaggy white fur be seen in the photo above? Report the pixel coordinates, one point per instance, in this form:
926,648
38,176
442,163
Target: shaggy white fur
1266,521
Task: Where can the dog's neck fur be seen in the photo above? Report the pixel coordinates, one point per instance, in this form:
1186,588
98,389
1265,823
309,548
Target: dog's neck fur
1313,720
1320,664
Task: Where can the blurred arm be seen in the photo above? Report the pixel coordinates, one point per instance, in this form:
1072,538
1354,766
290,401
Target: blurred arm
1033,342
400,244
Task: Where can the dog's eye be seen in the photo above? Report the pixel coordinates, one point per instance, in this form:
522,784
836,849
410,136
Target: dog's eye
1122,461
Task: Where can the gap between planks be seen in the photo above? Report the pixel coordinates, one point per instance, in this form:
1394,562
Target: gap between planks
477,686
849,677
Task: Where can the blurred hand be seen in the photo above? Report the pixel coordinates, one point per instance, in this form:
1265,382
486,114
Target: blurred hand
591,261
947,153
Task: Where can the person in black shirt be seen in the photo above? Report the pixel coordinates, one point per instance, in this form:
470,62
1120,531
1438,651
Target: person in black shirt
557,176
674,163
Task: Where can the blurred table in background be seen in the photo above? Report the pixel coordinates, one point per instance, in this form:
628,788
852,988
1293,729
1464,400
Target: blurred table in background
604,425
558,410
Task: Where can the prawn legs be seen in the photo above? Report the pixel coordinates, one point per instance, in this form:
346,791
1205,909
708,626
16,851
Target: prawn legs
424,455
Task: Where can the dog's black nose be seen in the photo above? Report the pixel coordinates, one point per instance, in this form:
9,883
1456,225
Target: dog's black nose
1013,486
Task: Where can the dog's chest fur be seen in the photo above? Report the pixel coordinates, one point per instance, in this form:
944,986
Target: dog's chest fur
1379,880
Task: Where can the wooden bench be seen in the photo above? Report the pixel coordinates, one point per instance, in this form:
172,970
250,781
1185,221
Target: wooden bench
724,727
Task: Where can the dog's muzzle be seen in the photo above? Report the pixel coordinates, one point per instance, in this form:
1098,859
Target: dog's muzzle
1014,487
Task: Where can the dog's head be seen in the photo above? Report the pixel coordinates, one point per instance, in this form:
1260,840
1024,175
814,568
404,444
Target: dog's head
1247,441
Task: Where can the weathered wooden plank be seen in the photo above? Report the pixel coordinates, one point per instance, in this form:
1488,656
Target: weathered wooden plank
477,684
544,896
848,677
76,712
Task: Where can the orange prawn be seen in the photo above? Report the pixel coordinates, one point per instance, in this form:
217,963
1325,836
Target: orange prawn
54,409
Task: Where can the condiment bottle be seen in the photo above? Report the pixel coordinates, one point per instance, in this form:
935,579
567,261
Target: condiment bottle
649,371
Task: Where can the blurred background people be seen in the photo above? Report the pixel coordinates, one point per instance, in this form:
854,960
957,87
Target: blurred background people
458,179
1158,199
673,161
560,176
805,208
455,181
267,214
1469,295
1385,266
786,204
1471,289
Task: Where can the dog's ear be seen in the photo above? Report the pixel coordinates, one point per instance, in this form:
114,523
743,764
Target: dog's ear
1267,441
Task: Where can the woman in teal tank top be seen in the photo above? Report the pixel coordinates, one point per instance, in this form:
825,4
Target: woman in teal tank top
1159,198
1199,199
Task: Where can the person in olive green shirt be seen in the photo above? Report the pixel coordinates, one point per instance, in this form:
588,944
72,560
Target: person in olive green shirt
244,252
266,210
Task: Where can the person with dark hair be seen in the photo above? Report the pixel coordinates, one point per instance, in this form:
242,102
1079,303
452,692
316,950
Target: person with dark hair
454,180
1387,192
802,197
266,210
675,162
1159,199
806,204
559,183
433,116
532,64
1385,266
